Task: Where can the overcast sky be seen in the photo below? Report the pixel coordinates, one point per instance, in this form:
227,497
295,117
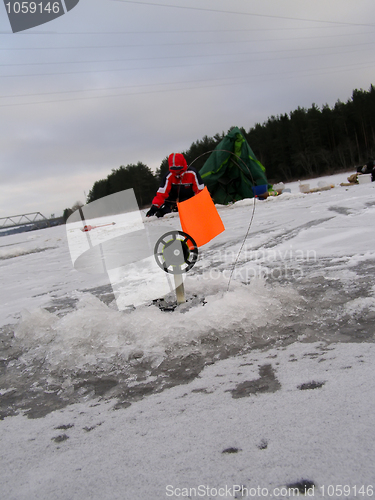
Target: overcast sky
114,82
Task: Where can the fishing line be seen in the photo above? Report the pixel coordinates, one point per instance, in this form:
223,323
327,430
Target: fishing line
247,170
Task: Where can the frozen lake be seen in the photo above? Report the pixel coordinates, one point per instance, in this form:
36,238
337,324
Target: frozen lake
303,290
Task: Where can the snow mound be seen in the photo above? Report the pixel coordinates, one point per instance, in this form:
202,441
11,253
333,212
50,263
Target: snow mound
96,336
10,253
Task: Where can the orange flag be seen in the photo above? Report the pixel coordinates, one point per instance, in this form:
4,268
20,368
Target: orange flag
199,218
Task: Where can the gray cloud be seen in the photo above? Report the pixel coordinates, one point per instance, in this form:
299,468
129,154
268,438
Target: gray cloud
114,83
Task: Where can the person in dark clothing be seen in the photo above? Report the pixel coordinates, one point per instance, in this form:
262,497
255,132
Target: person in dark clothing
179,184
369,168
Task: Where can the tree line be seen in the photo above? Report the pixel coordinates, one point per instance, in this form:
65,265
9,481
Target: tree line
310,142
302,144
139,177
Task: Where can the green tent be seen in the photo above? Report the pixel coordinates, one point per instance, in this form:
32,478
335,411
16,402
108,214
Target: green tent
229,179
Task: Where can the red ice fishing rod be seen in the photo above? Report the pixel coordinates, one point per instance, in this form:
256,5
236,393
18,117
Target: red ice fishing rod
88,227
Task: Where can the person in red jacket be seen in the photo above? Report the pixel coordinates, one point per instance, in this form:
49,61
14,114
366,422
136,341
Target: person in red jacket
179,184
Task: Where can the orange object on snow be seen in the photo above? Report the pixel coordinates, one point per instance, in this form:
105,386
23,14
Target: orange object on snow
199,218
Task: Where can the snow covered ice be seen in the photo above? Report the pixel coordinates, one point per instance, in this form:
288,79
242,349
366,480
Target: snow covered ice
264,384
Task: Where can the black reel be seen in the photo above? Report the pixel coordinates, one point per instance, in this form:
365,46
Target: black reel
176,252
